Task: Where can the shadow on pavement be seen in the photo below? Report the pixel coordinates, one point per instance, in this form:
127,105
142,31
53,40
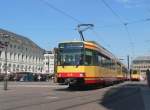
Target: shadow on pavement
80,88
126,97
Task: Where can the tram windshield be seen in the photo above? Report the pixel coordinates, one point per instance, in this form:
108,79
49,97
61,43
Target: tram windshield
70,54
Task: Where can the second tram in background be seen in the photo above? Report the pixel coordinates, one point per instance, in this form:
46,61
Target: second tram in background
87,63
135,75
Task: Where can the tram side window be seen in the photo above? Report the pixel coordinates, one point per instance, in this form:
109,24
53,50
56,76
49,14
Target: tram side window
113,66
124,70
110,64
118,67
106,63
99,60
88,57
103,61
95,58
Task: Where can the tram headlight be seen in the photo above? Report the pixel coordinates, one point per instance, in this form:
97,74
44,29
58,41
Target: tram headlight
81,75
59,75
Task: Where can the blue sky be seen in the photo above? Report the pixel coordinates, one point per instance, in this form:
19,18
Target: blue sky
46,27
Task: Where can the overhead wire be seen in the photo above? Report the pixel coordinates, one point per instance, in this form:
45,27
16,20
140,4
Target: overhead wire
131,41
60,11
97,34
139,21
113,12
104,26
125,24
127,30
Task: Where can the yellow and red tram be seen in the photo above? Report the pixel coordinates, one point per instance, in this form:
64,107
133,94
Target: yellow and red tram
86,62
135,75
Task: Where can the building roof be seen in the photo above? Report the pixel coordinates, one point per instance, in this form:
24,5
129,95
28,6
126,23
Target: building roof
23,39
142,58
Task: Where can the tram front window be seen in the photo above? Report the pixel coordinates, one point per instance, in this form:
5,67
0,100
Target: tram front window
71,56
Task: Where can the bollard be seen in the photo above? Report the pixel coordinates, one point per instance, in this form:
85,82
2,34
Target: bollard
148,77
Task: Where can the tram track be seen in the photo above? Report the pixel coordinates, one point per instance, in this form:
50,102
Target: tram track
113,100
75,97
47,102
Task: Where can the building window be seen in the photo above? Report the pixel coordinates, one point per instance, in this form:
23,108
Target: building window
10,56
14,46
18,56
36,59
51,57
22,57
0,54
10,45
26,57
14,56
47,63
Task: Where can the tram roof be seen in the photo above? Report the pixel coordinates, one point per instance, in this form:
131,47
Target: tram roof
100,47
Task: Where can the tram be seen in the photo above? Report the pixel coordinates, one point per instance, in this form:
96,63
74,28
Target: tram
87,62
135,75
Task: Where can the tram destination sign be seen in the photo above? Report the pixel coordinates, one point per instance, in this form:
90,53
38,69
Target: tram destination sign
71,45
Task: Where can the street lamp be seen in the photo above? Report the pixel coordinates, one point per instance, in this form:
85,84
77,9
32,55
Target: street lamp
6,77
5,45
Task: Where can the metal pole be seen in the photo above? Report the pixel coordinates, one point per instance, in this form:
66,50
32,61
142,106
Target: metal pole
128,61
48,62
5,78
55,63
148,77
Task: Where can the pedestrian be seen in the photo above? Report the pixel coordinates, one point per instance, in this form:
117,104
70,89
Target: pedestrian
148,77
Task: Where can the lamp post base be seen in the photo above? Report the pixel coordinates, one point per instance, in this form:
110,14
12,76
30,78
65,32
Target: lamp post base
5,83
